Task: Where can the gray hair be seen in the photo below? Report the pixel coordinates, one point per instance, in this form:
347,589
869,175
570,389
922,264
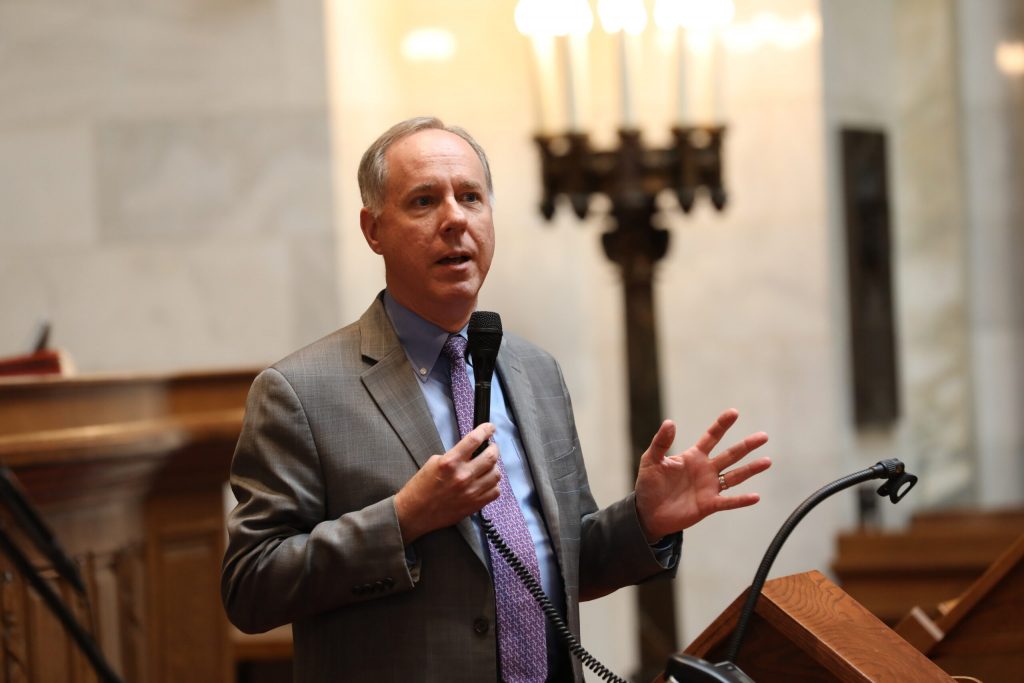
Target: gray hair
373,167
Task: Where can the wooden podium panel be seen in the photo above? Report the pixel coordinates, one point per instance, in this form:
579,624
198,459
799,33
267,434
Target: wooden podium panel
805,628
128,472
982,634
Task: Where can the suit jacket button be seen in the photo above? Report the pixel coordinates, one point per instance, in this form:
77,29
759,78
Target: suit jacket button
378,586
389,582
481,626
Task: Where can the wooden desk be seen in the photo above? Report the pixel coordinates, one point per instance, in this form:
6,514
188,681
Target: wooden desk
982,632
935,559
128,471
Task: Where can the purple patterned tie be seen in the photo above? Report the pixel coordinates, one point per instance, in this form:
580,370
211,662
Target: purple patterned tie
522,644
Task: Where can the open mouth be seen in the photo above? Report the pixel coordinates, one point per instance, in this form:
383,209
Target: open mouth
453,260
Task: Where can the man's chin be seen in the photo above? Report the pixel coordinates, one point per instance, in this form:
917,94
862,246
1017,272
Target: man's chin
456,292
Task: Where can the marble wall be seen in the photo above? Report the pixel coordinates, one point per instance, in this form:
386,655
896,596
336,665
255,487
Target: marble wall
165,178
928,73
931,245
993,146
892,65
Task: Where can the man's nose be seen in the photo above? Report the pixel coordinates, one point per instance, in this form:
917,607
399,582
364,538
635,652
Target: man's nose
453,215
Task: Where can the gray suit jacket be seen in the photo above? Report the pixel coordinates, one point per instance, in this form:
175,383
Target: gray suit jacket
331,433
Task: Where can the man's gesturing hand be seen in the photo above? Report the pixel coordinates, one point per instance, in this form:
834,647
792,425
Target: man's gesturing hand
674,492
449,487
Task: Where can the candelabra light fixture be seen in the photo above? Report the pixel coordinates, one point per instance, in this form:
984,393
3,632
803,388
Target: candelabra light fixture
632,173
632,176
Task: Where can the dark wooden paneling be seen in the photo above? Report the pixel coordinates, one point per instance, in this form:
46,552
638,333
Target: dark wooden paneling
129,475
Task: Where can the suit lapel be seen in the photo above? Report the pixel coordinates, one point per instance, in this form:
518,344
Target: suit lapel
524,410
394,388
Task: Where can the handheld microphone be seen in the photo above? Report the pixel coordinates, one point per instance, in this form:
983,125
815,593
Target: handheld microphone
484,342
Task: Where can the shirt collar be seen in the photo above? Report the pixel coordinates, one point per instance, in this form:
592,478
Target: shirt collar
421,339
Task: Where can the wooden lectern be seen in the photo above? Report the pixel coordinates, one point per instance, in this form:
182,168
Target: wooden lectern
129,473
805,628
982,634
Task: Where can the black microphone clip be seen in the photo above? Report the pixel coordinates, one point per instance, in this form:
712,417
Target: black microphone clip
898,481
683,668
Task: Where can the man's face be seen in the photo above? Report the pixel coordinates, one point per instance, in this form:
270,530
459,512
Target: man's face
435,231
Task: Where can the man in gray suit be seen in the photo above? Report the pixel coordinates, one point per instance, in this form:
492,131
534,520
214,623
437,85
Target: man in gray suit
357,493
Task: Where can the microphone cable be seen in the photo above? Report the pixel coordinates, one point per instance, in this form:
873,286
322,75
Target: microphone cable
531,584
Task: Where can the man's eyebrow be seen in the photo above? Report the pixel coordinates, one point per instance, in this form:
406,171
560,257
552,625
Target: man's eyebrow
430,186
421,187
470,184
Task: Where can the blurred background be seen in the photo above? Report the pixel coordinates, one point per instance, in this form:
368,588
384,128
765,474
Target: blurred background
177,183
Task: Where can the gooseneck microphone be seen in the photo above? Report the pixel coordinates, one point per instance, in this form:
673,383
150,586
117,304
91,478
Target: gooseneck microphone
681,667
484,342
898,483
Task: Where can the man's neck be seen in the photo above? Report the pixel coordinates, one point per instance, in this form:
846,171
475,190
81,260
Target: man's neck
450,318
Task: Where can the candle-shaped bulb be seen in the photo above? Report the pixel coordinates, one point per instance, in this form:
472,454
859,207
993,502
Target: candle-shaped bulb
622,15
548,21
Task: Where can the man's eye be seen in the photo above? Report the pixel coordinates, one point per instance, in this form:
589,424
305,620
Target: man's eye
421,201
471,197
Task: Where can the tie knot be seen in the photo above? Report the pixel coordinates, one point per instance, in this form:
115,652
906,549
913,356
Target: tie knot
455,348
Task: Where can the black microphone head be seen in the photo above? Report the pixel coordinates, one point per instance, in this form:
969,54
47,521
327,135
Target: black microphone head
485,322
484,342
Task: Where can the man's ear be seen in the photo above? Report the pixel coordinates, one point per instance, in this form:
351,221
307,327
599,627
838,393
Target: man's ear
369,225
